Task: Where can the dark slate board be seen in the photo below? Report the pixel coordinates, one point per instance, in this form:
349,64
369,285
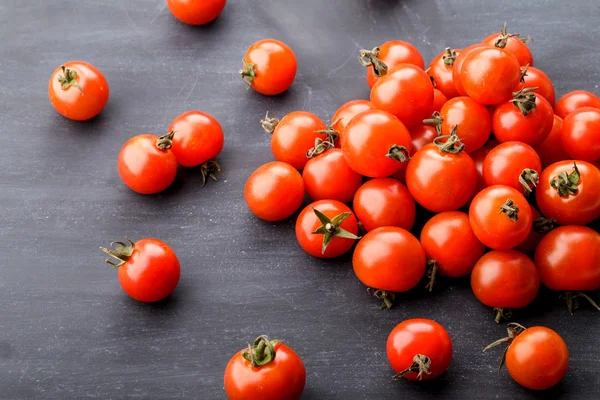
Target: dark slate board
66,329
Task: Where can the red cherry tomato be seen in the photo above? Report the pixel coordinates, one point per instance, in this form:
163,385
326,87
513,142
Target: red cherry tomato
450,245
376,144
441,69
512,44
268,370
478,158
551,150
274,191
326,229
405,92
537,357
568,192
78,90
328,176
269,67
527,119
541,226
344,115
384,58
384,202
419,349
148,269
472,120
580,134
457,68
500,217
440,176
574,100
198,138
536,78
489,75
196,12
438,100
422,135
146,163
294,136
513,164
505,279
389,259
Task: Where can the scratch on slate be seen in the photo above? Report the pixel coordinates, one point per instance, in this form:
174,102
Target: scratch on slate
162,8
134,26
354,52
193,86
357,332
175,99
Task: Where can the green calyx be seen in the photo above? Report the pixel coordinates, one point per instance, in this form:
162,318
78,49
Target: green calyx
449,57
247,72
528,178
502,39
323,145
510,209
398,153
261,352
387,297
432,270
269,124
68,79
210,169
369,58
165,142
524,73
572,300
435,120
420,366
566,183
502,314
330,228
121,252
450,143
524,100
543,225
528,40
513,330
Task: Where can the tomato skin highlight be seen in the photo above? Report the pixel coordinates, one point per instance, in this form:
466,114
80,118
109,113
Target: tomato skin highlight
274,191
294,135
368,139
448,239
509,123
580,208
274,64
344,115
328,176
504,164
281,379
393,53
389,258
419,336
551,150
145,168
568,258
457,68
574,100
536,78
496,229
307,223
151,273
580,134
198,138
538,358
472,120
405,92
384,202
442,74
196,12
76,104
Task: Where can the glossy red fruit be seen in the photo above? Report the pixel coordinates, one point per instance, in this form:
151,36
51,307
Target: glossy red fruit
198,138
580,134
541,226
269,67
536,78
344,115
441,69
512,44
422,135
478,158
196,12
457,67
328,176
513,164
551,150
574,100
386,57
439,99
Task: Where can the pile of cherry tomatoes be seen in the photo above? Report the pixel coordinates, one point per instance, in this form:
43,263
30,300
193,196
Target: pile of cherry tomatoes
507,176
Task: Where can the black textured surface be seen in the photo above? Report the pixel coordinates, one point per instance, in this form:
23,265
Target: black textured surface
67,331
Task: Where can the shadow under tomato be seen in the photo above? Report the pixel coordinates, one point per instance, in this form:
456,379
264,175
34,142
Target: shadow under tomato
437,386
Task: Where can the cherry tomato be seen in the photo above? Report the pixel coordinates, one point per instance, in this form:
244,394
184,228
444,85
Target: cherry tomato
537,357
376,144
528,119
268,370
269,67
540,227
580,134
78,90
500,217
451,246
513,164
146,163
489,75
505,279
457,68
384,202
328,176
568,192
389,259
478,158
568,258
196,12
472,120
384,58
574,100
536,78
512,44
274,191
419,349
148,269
441,69
344,115
551,150
422,135
198,140
439,99
440,176
405,92
294,136
326,229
